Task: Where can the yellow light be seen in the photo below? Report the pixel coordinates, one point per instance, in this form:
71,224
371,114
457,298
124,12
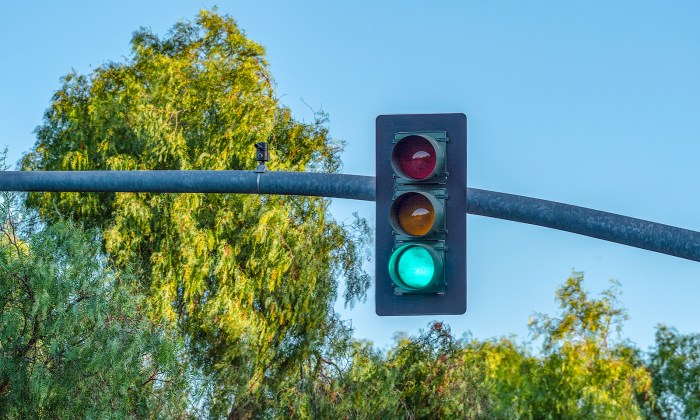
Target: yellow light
416,214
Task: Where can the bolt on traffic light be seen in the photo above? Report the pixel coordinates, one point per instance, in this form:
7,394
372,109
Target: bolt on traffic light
421,214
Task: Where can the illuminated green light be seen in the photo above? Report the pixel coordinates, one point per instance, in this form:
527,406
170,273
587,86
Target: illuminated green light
416,267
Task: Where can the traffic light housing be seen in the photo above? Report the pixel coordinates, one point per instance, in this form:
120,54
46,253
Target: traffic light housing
420,250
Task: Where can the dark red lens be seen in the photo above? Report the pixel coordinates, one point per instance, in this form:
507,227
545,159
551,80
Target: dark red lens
415,156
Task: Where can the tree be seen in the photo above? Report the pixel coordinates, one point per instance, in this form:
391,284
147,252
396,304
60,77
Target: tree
509,370
439,376
585,371
674,362
249,281
351,381
432,375
73,340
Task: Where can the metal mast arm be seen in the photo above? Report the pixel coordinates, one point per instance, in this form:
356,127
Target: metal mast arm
612,227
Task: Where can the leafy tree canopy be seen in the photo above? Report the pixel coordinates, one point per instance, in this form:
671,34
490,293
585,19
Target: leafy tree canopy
583,371
674,362
73,341
250,281
586,371
246,284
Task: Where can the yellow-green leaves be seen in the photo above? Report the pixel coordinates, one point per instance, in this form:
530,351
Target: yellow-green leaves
248,281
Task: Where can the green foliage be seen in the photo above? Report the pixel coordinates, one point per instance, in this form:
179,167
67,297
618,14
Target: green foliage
249,281
439,376
585,373
674,362
73,338
429,376
246,284
582,372
349,380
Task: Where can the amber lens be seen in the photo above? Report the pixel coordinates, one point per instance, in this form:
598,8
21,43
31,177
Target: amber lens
415,213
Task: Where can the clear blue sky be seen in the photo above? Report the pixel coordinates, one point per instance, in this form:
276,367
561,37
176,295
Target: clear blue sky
585,102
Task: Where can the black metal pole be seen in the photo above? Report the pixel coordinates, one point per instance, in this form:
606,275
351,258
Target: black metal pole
612,227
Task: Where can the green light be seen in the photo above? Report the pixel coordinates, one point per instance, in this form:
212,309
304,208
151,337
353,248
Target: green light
416,267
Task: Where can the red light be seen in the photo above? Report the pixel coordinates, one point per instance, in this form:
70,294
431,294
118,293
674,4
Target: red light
415,157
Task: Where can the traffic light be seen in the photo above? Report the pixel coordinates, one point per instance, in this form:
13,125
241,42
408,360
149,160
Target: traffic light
420,250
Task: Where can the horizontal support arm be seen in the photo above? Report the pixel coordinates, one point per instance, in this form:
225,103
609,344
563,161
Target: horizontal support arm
598,224
612,227
244,182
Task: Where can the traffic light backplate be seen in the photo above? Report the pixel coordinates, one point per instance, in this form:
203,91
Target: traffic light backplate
421,219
